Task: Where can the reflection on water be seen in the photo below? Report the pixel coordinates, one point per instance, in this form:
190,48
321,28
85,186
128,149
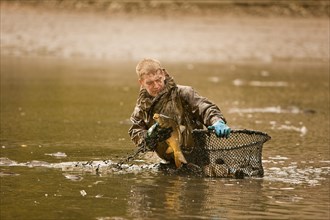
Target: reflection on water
62,120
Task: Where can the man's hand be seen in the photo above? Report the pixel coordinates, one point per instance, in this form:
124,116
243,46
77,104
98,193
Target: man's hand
156,134
221,129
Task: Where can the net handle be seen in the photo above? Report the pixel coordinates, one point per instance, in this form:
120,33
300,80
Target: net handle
239,131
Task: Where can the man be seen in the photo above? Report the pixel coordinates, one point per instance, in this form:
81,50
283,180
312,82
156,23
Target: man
160,94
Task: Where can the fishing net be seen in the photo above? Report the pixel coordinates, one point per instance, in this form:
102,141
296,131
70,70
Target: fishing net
237,156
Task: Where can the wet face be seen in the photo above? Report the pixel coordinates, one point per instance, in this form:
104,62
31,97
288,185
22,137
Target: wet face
153,83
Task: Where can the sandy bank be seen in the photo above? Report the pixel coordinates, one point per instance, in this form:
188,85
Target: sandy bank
31,31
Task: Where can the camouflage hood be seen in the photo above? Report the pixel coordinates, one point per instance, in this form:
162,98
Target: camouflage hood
146,102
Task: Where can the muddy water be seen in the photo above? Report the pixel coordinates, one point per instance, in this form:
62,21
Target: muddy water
57,115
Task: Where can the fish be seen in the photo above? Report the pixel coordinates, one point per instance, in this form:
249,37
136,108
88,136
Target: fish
222,170
215,170
175,140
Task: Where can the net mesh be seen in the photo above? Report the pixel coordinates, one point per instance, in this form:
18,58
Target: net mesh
237,156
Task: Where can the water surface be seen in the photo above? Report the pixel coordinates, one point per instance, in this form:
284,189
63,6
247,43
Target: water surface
55,113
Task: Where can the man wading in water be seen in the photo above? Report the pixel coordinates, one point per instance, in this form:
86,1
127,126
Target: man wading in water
160,94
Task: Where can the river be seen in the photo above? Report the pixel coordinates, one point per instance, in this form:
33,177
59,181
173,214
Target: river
58,113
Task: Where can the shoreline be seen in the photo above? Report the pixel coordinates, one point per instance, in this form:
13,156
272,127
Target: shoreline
255,8
39,32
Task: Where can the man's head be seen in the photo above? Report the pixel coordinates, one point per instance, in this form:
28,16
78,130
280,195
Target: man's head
151,76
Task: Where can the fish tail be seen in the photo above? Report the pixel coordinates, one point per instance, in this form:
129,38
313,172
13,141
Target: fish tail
179,159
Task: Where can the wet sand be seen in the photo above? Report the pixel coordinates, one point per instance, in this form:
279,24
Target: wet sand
45,32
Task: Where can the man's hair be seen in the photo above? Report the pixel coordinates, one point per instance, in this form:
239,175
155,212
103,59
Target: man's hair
147,66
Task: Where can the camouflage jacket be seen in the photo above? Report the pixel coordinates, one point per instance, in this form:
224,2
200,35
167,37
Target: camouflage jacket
177,101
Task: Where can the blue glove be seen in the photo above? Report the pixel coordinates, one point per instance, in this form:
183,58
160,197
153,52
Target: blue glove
221,129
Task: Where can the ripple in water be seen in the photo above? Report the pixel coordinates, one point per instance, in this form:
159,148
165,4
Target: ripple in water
281,170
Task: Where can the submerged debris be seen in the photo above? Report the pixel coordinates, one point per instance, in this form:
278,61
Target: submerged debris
83,192
73,177
7,173
57,154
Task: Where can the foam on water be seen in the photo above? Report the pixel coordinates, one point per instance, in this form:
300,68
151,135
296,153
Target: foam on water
96,166
240,82
277,168
270,109
57,154
280,169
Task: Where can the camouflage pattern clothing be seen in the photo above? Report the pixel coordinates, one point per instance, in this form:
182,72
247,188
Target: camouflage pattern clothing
179,102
